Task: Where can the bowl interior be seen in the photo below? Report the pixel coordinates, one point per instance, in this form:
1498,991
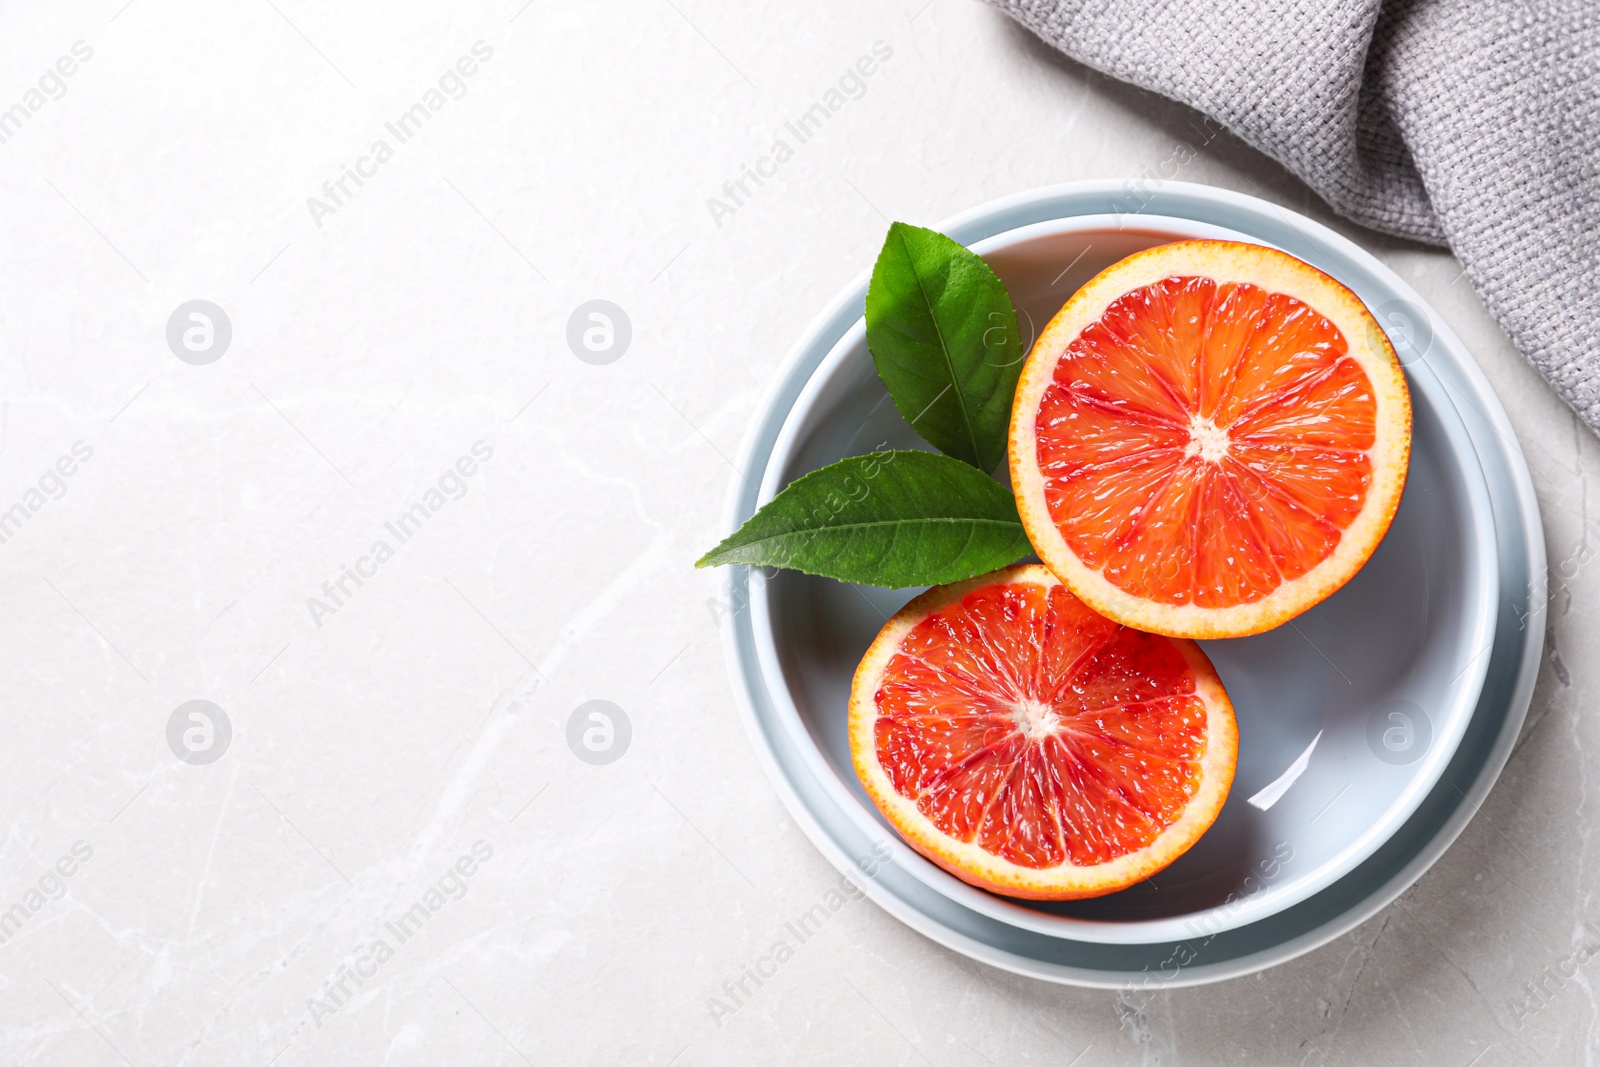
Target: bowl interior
1381,677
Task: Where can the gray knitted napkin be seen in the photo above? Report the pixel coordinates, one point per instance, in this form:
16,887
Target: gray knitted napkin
1468,123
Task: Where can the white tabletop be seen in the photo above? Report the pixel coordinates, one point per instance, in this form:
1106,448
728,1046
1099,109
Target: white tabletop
399,736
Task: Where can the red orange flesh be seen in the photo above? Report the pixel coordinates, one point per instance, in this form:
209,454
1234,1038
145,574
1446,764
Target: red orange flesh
1035,748
1209,439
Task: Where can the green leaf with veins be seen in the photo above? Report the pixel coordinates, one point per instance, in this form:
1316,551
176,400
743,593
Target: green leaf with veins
893,518
943,333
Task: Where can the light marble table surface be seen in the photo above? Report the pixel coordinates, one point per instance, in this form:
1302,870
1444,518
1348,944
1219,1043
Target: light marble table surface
398,734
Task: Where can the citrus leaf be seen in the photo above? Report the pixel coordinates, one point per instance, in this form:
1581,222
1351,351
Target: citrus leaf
892,518
943,333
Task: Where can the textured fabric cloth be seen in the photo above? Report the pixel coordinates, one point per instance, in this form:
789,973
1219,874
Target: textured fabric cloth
1468,123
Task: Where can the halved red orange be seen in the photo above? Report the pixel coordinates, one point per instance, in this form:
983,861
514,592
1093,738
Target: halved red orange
1209,438
1035,748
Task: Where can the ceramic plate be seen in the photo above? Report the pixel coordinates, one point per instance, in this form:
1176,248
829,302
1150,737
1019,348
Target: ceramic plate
1391,678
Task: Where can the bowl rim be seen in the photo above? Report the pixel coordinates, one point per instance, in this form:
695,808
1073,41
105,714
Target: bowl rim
1457,707
1515,657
